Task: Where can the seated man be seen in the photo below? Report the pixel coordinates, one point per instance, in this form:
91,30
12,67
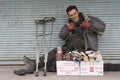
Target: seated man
80,33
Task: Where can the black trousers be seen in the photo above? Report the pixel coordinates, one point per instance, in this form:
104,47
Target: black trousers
75,42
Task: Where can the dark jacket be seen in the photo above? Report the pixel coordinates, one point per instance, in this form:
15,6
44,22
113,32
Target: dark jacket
88,36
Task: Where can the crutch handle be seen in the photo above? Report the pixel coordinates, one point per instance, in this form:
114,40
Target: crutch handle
47,19
39,21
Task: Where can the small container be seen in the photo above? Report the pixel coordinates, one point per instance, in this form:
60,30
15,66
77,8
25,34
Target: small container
63,57
85,58
67,56
59,54
76,59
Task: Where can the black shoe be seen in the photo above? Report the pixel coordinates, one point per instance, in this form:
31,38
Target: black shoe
41,59
28,71
19,72
41,65
30,64
22,72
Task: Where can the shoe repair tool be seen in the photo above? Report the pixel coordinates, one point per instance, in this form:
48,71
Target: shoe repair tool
42,44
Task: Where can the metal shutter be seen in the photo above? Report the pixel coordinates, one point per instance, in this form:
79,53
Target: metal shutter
17,27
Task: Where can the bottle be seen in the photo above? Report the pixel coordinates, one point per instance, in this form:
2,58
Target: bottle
59,54
67,56
63,57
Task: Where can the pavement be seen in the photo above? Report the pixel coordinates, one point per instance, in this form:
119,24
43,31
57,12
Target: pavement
7,73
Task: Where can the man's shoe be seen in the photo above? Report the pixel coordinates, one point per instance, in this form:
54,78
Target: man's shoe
41,59
22,72
19,72
30,64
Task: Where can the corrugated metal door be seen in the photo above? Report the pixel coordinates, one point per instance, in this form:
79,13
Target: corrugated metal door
17,27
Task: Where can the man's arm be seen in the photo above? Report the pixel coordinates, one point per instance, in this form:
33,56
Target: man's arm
97,25
64,32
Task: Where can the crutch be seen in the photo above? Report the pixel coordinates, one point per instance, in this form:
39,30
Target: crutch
47,47
38,22
43,22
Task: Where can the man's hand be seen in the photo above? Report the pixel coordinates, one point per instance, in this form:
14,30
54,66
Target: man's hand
85,24
70,26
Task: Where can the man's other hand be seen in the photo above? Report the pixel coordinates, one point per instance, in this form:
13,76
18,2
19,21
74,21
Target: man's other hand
85,24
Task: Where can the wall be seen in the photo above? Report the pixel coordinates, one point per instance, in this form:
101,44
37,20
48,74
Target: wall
18,30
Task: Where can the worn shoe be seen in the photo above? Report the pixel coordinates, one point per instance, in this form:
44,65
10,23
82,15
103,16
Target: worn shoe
22,72
29,63
19,72
41,63
41,59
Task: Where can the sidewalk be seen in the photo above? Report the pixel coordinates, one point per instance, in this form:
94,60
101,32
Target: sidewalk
7,73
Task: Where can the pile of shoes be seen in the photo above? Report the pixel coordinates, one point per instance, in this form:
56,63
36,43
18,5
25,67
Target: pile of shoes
83,56
31,66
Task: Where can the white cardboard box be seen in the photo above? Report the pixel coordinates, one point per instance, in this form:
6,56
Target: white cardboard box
68,68
91,68
82,68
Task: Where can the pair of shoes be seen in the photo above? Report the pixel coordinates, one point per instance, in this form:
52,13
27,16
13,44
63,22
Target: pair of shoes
22,72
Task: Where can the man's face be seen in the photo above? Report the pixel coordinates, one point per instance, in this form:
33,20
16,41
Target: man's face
74,15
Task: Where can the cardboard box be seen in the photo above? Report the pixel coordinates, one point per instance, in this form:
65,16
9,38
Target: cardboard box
91,68
82,68
68,68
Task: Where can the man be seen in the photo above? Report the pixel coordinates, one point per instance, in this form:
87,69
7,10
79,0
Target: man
80,33
83,28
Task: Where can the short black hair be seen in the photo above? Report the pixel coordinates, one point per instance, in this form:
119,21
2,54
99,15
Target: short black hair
69,8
